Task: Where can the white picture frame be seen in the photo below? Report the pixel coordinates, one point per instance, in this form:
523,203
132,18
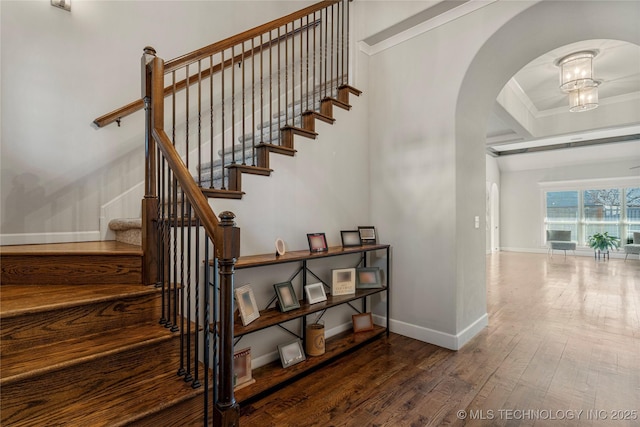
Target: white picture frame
315,293
246,302
343,281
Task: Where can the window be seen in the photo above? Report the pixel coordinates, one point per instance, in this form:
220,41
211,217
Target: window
589,211
632,212
602,212
563,211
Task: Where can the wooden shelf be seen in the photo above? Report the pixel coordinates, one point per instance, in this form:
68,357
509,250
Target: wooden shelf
274,316
273,375
293,256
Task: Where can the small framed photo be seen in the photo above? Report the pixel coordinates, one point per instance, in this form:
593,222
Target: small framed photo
367,234
344,281
287,299
242,368
315,293
291,353
246,304
362,322
350,238
368,278
317,242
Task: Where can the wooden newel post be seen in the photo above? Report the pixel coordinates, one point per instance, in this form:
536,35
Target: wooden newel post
150,201
225,412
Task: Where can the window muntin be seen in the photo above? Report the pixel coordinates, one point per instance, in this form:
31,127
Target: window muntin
589,211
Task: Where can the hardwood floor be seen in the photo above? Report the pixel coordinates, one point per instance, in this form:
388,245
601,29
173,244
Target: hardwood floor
562,348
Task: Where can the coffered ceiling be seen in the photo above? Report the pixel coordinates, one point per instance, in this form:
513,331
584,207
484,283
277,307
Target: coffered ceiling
532,114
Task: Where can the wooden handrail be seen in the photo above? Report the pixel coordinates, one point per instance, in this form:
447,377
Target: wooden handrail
206,51
214,48
194,194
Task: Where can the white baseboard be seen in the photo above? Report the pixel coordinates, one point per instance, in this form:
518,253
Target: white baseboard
38,238
472,330
441,339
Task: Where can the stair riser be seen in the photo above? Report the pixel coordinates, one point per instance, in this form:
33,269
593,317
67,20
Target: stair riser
26,331
71,269
186,413
46,398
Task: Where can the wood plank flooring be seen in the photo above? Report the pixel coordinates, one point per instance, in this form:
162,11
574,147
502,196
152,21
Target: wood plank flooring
562,348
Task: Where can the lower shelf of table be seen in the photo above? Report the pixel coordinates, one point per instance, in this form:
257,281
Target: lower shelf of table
273,375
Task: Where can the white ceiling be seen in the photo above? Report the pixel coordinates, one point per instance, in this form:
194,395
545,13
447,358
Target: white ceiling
531,111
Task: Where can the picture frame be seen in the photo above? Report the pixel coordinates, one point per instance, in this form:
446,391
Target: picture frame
246,302
368,278
350,238
242,375
343,281
317,242
291,353
287,299
362,322
367,234
315,293
280,247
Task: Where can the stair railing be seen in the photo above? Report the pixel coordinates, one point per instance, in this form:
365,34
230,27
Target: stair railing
260,87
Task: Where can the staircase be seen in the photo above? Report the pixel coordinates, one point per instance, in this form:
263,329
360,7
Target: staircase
81,344
84,341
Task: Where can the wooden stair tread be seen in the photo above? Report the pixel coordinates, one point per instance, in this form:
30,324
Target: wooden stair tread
51,357
253,170
279,149
108,247
300,131
27,299
222,194
318,115
132,396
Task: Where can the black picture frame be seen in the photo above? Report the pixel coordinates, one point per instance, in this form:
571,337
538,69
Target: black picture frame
287,299
350,238
317,242
291,353
368,278
368,234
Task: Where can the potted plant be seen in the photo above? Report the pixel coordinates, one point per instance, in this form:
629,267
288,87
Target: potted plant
602,242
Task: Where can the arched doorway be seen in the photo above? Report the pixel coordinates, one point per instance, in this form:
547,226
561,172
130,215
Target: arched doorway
541,28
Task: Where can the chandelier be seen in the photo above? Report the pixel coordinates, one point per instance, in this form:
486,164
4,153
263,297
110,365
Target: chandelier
576,79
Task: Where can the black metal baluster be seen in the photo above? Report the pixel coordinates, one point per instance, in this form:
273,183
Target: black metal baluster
199,162
185,329
243,105
233,106
207,307
211,127
196,309
222,116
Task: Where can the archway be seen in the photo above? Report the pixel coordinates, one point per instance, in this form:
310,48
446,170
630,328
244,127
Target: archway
541,28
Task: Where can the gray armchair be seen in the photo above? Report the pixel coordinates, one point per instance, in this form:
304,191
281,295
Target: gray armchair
560,240
633,248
